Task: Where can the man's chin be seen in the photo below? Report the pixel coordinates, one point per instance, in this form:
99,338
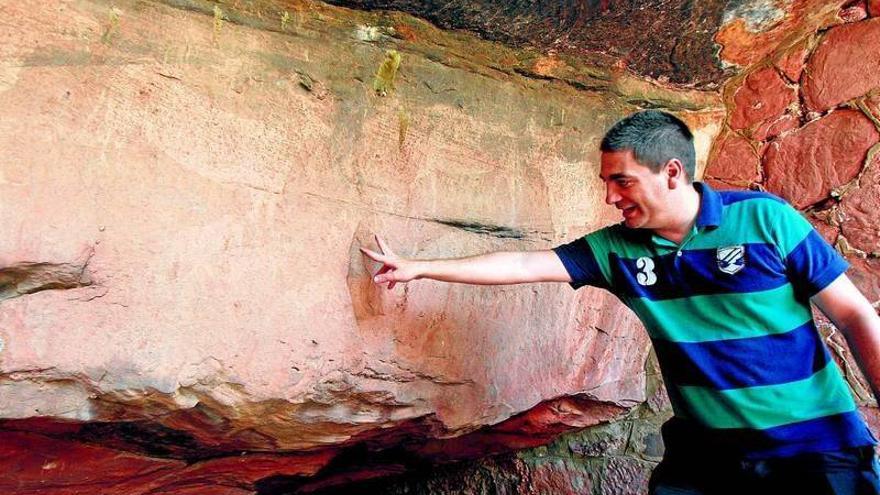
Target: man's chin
633,223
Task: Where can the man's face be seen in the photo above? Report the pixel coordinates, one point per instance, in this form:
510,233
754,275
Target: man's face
642,196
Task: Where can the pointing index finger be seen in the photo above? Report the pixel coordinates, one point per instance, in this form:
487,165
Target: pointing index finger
384,246
374,255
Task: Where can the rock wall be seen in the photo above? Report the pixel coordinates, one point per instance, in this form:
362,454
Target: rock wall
184,187
185,184
802,122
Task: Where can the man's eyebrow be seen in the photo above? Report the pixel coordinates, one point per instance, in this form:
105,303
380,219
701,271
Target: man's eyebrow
619,175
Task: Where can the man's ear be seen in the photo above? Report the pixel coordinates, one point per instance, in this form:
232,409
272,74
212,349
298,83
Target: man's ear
675,173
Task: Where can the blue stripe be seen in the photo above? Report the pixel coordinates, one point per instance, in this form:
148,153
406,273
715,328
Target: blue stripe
749,362
813,264
731,197
580,262
828,433
696,272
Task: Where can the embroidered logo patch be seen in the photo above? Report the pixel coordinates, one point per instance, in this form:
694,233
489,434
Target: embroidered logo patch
731,259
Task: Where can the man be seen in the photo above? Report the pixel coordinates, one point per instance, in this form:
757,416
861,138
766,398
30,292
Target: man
722,282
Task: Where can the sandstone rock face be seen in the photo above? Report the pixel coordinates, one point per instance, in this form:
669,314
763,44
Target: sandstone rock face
763,97
835,71
185,185
184,307
735,162
754,31
860,209
668,40
808,164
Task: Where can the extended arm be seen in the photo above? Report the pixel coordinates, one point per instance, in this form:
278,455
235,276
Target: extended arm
848,309
498,268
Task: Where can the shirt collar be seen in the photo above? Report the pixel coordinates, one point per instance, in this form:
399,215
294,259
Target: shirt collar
710,206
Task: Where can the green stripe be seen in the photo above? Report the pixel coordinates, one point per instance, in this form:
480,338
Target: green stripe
758,220
722,316
610,240
823,394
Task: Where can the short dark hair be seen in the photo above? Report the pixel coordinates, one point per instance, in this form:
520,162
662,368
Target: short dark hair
654,137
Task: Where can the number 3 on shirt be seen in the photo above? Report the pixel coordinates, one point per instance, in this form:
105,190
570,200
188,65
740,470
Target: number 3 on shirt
646,275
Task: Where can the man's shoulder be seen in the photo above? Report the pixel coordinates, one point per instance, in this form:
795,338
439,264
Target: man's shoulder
754,206
731,197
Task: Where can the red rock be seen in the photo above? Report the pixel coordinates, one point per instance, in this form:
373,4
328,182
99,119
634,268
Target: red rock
865,273
559,477
771,129
872,103
205,490
249,468
805,165
861,207
34,464
763,96
530,429
792,63
874,8
828,232
745,46
836,70
218,207
733,161
854,13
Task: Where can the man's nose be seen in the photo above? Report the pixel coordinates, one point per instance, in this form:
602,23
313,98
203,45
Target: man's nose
611,195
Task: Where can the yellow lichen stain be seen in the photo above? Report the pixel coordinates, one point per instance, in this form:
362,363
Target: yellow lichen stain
384,81
112,26
403,127
285,20
218,24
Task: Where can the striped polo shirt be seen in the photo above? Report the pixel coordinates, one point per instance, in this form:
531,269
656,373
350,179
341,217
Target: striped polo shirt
729,315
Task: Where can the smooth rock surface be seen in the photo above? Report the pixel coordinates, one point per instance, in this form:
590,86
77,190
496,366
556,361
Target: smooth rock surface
806,165
763,97
835,72
185,188
183,308
734,162
860,208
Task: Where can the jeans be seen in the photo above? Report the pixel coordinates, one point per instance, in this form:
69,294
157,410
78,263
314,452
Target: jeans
844,472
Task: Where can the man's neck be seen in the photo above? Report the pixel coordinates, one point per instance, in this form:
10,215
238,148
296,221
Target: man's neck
685,209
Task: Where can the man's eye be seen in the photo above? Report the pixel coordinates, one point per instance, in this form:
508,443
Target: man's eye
624,183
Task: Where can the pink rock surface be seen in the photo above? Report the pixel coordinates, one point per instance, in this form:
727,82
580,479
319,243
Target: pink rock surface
184,205
805,165
748,40
853,13
734,161
773,128
865,274
33,464
763,96
836,69
872,104
861,208
792,63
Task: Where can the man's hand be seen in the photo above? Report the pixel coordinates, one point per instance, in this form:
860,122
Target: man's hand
394,268
498,268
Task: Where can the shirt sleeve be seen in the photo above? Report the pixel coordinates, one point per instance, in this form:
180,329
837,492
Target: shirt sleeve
580,262
811,263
